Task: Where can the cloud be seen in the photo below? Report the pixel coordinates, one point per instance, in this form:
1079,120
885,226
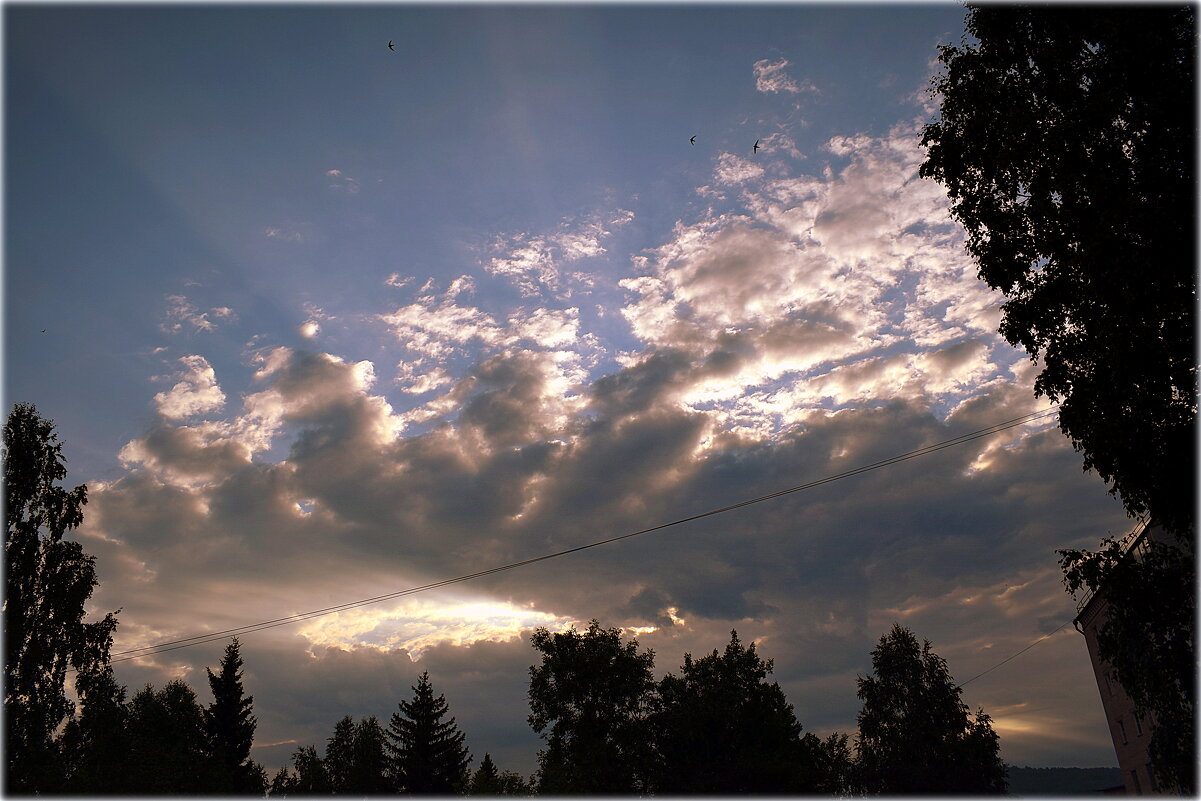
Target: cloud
181,315
196,392
341,182
533,263
806,326
770,76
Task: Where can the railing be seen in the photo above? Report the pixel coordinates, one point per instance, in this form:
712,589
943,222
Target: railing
1127,542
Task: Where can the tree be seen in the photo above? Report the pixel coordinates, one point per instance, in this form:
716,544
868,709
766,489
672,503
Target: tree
590,699
229,725
1147,638
339,755
915,734
427,753
47,584
307,777
1065,139
168,746
721,728
369,761
486,780
95,744
832,767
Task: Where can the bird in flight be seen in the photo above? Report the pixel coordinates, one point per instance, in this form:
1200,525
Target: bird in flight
390,47
692,140
755,149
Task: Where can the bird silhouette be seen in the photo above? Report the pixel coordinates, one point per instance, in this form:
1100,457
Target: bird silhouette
692,141
755,149
390,47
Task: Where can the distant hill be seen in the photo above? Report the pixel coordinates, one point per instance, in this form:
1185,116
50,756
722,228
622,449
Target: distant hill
1061,781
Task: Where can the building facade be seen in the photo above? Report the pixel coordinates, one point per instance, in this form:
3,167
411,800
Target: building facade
1131,733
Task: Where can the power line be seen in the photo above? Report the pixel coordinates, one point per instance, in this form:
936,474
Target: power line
200,639
1019,653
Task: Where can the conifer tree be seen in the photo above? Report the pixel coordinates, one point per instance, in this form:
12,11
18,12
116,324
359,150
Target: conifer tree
427,753
486,780
229,725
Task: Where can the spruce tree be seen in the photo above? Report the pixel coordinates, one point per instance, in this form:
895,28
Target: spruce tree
427,753
486,780
229,725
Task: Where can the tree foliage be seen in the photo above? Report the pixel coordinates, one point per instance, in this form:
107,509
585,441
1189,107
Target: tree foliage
229,724
427,753
48,581
590,700
488,780
168,746
95,743
1147,639
1065,138
915,733
722,728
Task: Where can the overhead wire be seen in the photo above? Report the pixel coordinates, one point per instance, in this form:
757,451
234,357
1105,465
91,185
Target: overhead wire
1015,656
250,628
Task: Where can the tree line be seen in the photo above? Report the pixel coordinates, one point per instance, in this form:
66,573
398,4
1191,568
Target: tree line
716,726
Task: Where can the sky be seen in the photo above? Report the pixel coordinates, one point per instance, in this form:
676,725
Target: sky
318,321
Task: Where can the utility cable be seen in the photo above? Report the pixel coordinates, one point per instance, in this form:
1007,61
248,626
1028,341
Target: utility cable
1019,653
200,639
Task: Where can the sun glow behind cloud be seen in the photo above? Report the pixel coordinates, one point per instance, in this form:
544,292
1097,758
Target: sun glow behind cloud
418,624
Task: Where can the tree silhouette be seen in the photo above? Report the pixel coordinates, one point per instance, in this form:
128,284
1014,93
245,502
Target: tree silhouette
915,734
48,581
95,744
307,776
229,724
427,753
1065,139
339,755
721,728
1147,639
590,699
168,746
486,779
355,758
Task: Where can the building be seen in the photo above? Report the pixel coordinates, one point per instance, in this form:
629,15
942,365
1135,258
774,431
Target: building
1131,733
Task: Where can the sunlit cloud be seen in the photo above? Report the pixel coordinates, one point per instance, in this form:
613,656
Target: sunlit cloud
771,77
341,182
416,625
196,392
181,315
